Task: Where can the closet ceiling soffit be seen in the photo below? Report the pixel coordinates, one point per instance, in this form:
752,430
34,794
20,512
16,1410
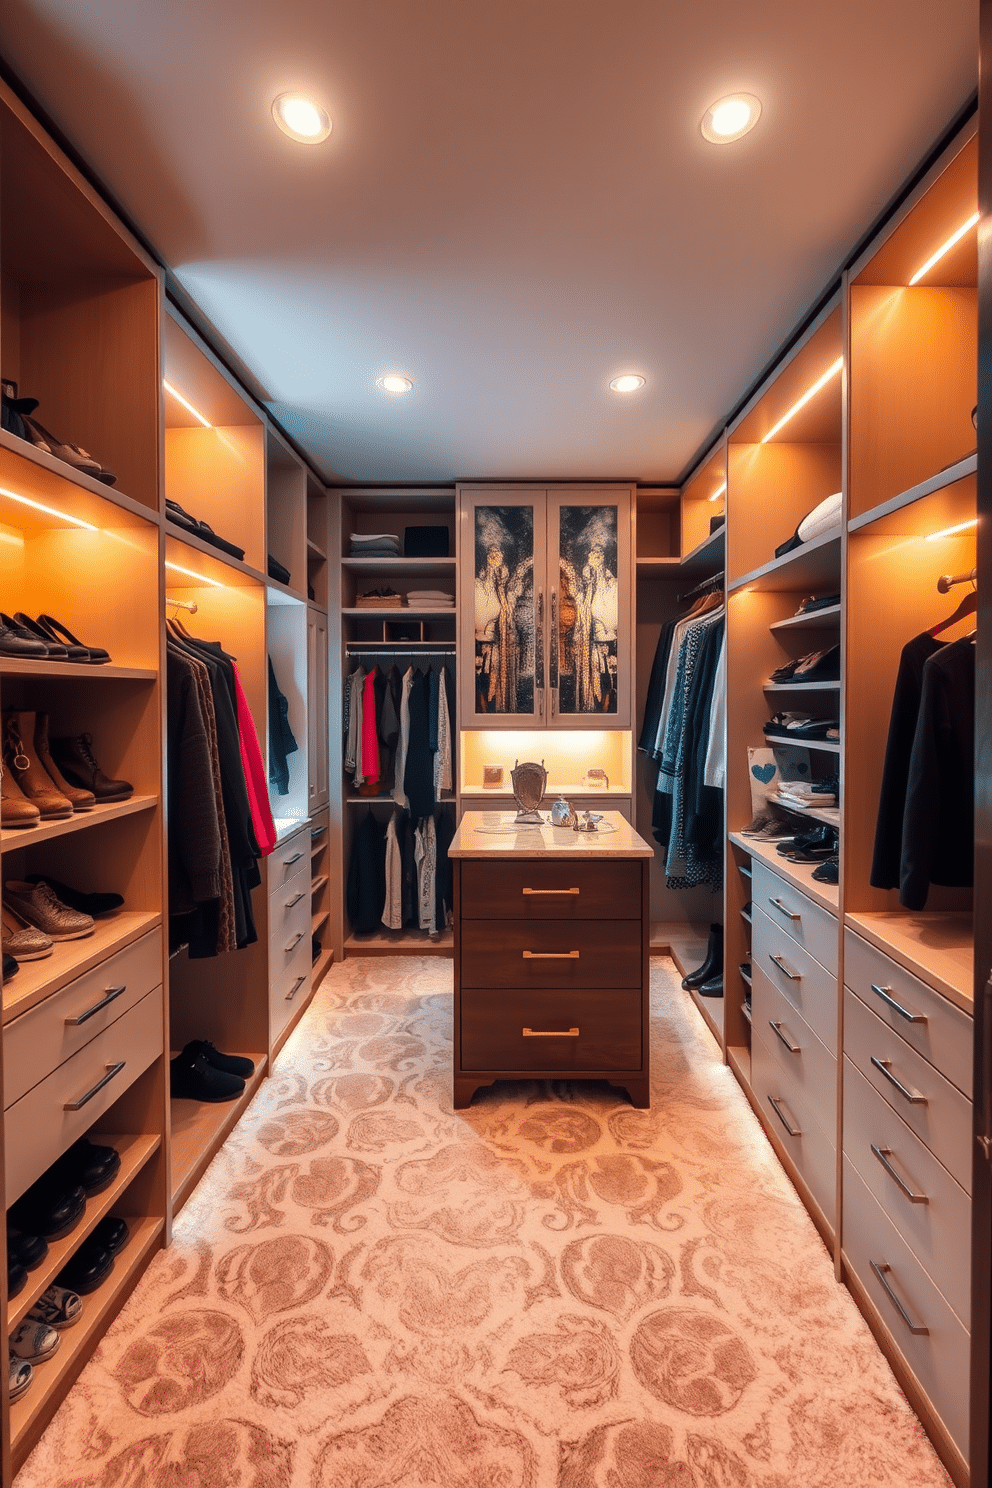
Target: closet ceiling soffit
515,203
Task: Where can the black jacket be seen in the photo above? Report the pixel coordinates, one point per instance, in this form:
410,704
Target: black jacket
938,831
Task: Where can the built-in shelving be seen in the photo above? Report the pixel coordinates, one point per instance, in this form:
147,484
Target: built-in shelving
826,619
36,980
800,874
199,1129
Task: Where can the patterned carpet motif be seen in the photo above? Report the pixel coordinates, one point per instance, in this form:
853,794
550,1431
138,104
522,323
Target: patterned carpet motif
549,1290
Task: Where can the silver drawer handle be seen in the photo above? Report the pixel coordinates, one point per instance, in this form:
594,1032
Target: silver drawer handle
551,891
883,1154
294,943
112,1071
913,1096
296,987
790,914
881,1269
793,1131
550,1032
294,859
317,832
550,955
776,1028
111,995
885,993
794,976
295,900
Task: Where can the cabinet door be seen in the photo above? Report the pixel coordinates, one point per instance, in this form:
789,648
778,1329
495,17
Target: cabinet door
503,603
589,660
317,724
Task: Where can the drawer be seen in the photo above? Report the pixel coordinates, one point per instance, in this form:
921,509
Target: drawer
38,1128
940,1357
289,860
935,1109
791,1116
564,1031
798,1052
547,953
551,889
46,1035
289,925
808,985
934,1218
808,924
289,988
937,1029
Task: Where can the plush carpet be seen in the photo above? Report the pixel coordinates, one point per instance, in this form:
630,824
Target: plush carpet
549,1290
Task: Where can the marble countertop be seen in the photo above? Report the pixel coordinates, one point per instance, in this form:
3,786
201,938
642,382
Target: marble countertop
545,841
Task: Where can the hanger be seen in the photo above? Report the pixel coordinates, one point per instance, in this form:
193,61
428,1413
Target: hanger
968,606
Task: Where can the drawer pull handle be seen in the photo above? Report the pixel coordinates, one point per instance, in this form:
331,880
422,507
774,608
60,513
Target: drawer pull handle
550,1032
913,1096
113,1070
295,942
295,900
776,1028
550,955
784,909
551,891
317,832
294,859
794,976
110,996
883,1154
885,993
296,987
881,1269
793,1131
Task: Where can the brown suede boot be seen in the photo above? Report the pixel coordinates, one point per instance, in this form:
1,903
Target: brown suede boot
82,800
27,769
15,808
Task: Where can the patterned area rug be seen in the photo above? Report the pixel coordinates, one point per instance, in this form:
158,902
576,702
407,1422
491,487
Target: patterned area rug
550,1290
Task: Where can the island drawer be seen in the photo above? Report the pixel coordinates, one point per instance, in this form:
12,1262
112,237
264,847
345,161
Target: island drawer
551,889
567,1031
548,953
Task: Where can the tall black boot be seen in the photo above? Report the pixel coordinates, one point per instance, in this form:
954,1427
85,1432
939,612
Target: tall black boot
713,965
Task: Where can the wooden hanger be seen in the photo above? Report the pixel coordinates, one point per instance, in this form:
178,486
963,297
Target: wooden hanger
968,606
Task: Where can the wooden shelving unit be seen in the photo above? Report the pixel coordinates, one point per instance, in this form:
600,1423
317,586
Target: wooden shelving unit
198,1130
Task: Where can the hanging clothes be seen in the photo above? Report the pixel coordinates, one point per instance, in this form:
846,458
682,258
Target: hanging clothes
399,794
442,759
392,911
418,774
886,865
254,768
281,740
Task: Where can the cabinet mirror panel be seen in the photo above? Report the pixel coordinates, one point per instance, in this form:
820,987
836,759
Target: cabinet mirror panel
584,630
508,641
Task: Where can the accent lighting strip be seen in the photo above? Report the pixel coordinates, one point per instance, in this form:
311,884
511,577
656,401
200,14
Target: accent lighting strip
200,578
949,531
821,382
50,511
945,248
717,494
186,404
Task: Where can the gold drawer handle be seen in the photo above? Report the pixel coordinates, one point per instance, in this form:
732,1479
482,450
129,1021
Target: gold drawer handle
112,995
550,955
550,1032
551,891
112,1071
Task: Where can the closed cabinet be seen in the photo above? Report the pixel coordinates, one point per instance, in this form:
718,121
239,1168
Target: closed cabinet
545,606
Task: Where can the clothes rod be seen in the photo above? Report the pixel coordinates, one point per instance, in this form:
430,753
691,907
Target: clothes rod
182,604
947,581
715,581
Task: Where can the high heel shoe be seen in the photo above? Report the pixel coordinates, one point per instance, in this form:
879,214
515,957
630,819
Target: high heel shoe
713,962
58,632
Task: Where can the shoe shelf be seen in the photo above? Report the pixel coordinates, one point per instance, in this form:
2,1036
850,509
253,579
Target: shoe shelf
826,746
317,551
746,1011
937,946
52,1380
800,687
400,943
745,977
230,569
707,1007
199,1129
684,941
317,883
53,482
746,917
739,1059
322,966
826,814
135,1152
15,837
16,666
800,874
320,918
37,980
826,619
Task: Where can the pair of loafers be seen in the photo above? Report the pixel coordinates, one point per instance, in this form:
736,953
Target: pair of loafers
810,847
50,640
93,1262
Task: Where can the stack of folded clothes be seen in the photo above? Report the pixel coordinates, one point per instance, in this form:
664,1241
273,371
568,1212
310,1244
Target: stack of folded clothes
375,545
800,795
382,598
430,599
797,727
818,602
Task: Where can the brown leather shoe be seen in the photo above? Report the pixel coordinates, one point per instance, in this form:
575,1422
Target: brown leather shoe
76,761
30,773
15,808
82,800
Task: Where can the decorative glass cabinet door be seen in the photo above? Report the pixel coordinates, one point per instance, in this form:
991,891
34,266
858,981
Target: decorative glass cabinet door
589,668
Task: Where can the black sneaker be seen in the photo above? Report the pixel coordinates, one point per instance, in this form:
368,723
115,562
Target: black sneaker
229,1064
828,871
195,1079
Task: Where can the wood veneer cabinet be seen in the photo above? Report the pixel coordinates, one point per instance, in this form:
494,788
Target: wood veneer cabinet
551,956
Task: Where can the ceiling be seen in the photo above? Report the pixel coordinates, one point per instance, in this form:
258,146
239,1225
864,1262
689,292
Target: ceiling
515,204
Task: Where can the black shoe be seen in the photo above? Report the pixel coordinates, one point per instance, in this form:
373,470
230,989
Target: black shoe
27,1250
828,786
112,1233
50,1207
828,871
84,1271
195,1079
713,962
17,1277
10,967
228,1064
91,904
92,1167
15,640
712,988
745,969
817,837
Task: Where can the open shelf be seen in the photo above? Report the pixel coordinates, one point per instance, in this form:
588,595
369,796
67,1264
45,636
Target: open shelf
937,947
739,1059
744,976
405,610
711,1010
800,686
826,619
958,471
322,966
320,918
400,943
400,565
799,874
746,1011
317,883
15,666
829,815
709,556
36,980
200,1128
825,746
685,942
14,837
814,565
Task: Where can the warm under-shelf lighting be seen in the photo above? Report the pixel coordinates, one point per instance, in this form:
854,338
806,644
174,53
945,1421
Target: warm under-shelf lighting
950,531
809,394
945,248
200,578
717,494
186,404
50,511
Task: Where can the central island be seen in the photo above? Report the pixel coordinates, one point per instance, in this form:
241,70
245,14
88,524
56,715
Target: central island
552,933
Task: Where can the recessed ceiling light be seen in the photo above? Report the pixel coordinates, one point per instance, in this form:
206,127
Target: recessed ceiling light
394,384
730,118
629,383
301,118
